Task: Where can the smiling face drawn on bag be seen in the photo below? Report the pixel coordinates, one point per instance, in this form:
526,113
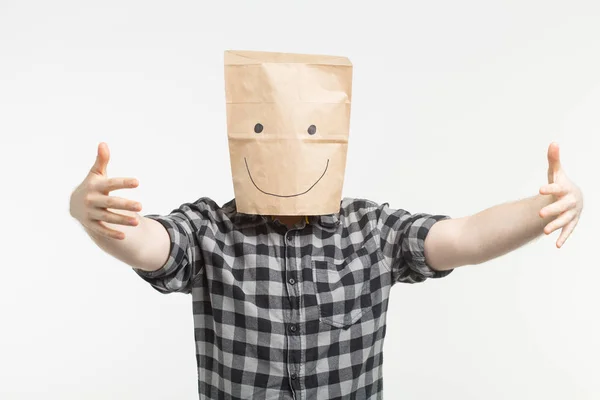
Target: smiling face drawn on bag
288,118
258,128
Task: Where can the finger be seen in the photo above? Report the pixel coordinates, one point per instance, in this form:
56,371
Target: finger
111,184
102,158
102,230
566,232
559,222
558,207
554,188
117,203
554,157
99,214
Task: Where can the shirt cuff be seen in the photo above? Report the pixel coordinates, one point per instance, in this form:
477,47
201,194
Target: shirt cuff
413,247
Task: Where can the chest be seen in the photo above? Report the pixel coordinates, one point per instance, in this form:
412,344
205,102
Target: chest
333,277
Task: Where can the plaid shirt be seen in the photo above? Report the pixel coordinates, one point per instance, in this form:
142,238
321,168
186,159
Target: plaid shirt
294,313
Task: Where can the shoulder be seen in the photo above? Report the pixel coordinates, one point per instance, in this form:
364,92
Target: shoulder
203,205
360,209
201,209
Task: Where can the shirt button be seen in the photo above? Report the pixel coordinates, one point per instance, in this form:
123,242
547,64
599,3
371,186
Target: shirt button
291,281
293,328
293,376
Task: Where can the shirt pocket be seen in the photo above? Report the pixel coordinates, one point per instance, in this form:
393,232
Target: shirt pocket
343,289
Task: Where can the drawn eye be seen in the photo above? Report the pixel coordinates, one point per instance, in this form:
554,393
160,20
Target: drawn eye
312,130
258,128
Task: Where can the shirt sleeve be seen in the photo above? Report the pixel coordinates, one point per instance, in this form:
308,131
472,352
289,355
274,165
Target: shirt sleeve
402,236
184,262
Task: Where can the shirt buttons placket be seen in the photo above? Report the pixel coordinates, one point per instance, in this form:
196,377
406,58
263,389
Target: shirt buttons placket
293,327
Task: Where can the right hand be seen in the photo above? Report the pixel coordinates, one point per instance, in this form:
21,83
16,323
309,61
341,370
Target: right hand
90,200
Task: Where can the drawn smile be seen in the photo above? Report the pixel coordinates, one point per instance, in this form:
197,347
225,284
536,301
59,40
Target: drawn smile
288,195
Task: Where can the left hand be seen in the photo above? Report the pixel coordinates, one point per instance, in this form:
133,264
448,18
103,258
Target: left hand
569,199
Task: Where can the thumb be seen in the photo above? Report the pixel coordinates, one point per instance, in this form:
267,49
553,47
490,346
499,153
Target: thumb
553,158
102,158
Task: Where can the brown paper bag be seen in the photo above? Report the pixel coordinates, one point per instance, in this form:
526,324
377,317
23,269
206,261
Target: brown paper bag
288,118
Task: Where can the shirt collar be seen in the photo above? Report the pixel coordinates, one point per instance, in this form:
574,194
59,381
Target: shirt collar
326,221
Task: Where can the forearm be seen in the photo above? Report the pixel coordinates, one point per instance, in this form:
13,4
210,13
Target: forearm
505,227
145,246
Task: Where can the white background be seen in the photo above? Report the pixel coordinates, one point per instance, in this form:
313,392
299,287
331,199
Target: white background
455,104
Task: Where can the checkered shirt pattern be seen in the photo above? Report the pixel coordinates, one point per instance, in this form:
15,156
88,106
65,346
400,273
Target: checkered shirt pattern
295,313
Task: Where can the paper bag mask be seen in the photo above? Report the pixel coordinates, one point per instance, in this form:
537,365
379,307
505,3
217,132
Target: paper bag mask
288,119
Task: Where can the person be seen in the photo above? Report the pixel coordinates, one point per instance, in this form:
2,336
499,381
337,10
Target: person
294,305
249,312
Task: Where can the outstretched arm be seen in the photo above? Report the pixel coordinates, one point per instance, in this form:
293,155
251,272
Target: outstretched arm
505,227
